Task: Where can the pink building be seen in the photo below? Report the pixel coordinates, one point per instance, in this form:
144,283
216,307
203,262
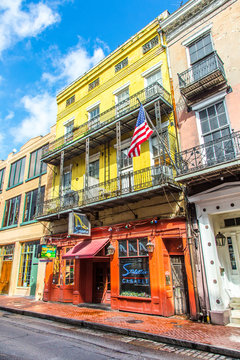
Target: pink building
203,44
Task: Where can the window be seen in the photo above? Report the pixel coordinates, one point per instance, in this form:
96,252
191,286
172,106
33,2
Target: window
125,160
197,52
150,44
232,222
2,173
93,117
70,101
11,212
94,169
200,48
216,133
17,172
35,162
6,252
159,150
122,102
26,259
152,82
69,270
93,84
121,65
231,253
56,268
134,268
31,201
69,131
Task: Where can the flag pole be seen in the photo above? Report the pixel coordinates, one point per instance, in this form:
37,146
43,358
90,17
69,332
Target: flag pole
158,135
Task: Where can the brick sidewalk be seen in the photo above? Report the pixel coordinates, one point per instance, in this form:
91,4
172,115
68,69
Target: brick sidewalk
175,330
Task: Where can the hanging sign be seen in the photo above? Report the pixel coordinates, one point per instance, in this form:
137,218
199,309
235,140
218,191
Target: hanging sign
46,251
78,224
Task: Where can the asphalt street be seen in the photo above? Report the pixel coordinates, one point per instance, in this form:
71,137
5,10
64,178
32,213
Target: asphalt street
25,338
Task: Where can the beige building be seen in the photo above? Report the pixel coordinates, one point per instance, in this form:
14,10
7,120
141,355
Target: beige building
23,182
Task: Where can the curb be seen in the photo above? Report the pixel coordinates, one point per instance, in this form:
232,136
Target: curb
134,333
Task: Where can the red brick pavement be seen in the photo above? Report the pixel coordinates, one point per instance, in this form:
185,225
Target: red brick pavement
174,327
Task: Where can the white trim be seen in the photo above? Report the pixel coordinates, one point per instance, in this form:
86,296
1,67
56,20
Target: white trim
94,157
121,88
91,107
69,121
213,99
197,35
124,144
152,69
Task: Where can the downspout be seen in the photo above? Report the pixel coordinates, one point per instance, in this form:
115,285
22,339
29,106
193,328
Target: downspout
189,233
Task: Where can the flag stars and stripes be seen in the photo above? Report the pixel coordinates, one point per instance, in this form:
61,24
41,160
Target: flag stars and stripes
141,133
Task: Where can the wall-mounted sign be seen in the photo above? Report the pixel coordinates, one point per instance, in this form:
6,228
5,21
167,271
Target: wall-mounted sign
46,251
78,224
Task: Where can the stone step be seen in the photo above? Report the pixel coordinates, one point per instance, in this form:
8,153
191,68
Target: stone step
235,317
234,306
235,299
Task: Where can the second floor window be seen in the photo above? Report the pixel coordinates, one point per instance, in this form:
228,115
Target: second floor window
31,204
35,162
94,169
2,173
93,117
17,172
11,213
69,131
122,102
200,48
125,160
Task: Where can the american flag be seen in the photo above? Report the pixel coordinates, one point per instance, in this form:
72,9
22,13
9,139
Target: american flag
141,133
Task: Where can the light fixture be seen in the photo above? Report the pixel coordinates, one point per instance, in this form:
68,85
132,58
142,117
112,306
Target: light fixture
150,247
110,250
220,239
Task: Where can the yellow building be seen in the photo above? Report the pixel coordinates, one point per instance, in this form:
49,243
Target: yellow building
122,198
23,184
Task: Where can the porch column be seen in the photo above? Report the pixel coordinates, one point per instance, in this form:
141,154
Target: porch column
61,174
86,168
118,139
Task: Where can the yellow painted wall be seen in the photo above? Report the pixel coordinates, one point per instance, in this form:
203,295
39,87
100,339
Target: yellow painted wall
109,81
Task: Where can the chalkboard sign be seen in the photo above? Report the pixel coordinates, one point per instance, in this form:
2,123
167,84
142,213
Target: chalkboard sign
134,277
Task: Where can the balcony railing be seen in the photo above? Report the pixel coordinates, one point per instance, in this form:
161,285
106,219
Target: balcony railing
206,73
128,184
111,115
219,151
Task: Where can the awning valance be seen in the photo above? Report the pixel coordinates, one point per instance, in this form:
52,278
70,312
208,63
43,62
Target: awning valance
86,249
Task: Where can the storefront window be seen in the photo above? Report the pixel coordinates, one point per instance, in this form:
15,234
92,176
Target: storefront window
27,252
134,268
56,268
69,271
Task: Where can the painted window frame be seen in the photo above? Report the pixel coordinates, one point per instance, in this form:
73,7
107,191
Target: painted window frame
23,269
20,180
2,175
17,203
31,193
43,167
95,120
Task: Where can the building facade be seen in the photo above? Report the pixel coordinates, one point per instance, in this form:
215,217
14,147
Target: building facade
21,273
137,256
203,43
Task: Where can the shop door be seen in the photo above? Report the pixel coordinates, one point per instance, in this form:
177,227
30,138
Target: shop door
179,281
5,276
34,271
101,283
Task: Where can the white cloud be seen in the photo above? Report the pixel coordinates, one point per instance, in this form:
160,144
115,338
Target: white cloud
17,24
42,111
9,116
74,64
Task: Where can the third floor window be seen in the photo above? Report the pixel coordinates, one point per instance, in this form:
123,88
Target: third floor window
200,48
2,173
35,162
17,172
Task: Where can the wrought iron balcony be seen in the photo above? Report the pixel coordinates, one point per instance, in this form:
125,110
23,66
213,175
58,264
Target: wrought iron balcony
206,74
134,185
212,156
103,129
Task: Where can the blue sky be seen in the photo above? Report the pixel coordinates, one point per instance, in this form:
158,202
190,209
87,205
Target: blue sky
44,45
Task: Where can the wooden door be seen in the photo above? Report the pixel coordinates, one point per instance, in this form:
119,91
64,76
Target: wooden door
179,281
34,272
5,276
101,282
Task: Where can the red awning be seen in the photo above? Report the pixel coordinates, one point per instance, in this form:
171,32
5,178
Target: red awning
86,249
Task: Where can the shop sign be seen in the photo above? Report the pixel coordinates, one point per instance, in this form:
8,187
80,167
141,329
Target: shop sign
47,251
134,277
78,224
